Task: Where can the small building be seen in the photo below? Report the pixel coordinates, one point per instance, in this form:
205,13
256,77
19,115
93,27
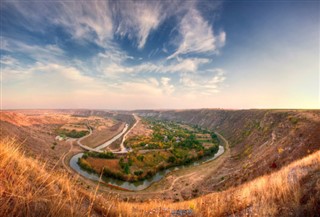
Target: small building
59,138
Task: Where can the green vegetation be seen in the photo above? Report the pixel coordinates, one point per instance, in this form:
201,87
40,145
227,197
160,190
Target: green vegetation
138,173
125,166
72,134
140,157
169,145
53,146
171,159
85,165
293,120
104,155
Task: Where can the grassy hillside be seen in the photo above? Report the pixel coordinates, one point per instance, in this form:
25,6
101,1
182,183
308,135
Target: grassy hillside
27,188
261,141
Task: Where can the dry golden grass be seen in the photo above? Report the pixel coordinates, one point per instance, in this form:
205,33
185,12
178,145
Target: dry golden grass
277,194
28,189
99,163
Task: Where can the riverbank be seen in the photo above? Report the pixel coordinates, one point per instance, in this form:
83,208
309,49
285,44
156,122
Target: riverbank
137,185
163,182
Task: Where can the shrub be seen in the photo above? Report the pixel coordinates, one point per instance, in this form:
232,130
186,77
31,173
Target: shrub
73,133
293,120
104,155
138,172
126,168
130,162
85,165
171,159
116,175
140,158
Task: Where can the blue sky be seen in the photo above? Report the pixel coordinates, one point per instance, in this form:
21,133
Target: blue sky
160,54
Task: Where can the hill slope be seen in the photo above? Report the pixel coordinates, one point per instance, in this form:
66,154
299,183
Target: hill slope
261,141
28,189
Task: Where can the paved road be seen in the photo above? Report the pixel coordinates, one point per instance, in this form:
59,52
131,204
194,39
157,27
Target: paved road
109,142
122,148
84,146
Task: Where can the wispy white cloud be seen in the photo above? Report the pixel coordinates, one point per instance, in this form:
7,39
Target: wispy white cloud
113,54
40,70
114,69
83,20
98,21
167,87
185,65
139,18
87,19
207,82
8,60
177,66
49,52
67,72
197,35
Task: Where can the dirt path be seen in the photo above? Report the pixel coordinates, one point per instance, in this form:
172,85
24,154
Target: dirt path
63,159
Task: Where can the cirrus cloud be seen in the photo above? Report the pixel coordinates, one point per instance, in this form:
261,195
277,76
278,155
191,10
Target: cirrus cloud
197,35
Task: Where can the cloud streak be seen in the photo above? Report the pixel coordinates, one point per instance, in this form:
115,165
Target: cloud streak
207,82
197,35
138,18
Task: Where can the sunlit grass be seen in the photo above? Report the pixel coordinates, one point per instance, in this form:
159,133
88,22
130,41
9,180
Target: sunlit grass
27,188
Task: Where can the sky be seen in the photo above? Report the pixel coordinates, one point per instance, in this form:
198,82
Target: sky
173,54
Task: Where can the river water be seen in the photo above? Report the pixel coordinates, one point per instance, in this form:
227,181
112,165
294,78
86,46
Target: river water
139,185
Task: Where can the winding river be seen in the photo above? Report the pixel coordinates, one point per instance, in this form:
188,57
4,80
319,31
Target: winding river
139,185
131,186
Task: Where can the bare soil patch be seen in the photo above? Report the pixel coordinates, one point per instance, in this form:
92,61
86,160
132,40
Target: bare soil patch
141,128
98,164
98,137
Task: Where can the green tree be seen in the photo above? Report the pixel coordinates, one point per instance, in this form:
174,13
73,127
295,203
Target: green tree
126,168
171,159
